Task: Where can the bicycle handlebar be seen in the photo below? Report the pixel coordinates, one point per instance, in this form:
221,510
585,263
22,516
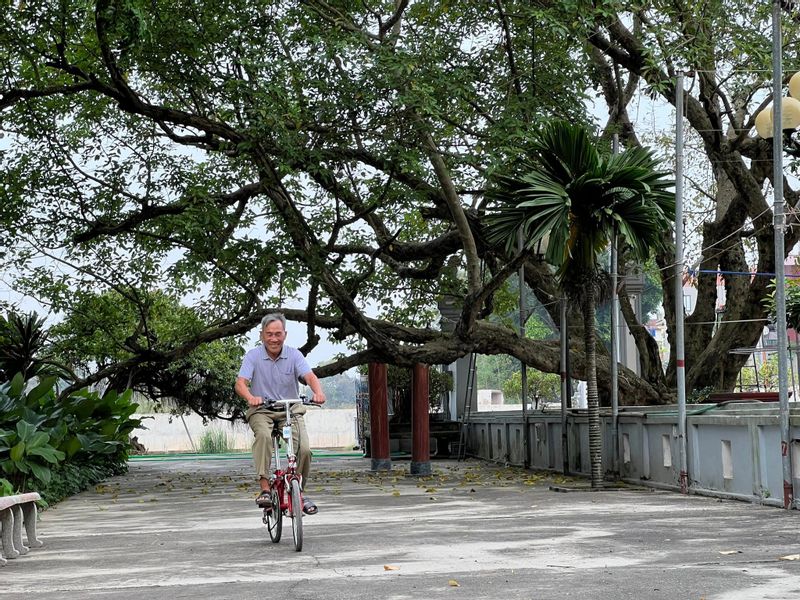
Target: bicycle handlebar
287,402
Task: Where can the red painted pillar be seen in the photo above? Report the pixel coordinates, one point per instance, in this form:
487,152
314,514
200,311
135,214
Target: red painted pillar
420,423
379,417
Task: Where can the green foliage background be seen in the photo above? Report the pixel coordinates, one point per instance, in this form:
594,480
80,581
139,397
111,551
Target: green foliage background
52,442
55,445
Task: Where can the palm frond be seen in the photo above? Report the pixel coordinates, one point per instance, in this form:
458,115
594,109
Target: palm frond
578,198
565,151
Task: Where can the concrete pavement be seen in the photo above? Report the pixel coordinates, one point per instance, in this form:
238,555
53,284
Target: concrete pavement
173,529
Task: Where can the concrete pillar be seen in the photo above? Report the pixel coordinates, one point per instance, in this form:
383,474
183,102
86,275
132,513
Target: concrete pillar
420,421
628,353
379,417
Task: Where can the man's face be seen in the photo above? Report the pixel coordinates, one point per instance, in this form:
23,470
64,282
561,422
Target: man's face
273,336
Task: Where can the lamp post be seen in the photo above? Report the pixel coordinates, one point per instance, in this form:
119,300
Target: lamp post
784,118
680,358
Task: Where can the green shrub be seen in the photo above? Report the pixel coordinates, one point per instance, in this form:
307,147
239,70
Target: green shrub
29,451
40,433
699,395
214,441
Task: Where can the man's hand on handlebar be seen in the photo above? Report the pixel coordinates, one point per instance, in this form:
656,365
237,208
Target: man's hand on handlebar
255,401
318,399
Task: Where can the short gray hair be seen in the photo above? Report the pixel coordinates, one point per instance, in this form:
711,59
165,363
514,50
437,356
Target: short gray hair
273,317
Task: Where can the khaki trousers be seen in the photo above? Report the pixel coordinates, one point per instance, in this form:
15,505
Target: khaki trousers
262,423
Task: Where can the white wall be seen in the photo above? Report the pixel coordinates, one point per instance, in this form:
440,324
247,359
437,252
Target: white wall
327,428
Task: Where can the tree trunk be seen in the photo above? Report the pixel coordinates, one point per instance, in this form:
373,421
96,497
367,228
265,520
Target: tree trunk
592,398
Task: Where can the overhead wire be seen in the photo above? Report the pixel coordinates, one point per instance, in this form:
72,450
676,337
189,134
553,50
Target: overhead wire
717,242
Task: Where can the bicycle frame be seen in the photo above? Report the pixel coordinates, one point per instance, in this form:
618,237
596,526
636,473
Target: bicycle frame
281,479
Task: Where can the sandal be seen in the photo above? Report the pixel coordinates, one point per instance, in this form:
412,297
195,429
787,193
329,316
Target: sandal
264,500
309,507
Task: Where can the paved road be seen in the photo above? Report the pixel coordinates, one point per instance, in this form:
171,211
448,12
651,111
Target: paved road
189,529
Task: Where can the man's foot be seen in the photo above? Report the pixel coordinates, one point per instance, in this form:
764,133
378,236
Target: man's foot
309,507
264,500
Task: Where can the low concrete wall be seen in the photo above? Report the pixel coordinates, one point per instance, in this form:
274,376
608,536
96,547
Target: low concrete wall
733,451
327,428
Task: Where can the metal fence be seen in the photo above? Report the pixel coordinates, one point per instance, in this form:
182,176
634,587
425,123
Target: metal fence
734,450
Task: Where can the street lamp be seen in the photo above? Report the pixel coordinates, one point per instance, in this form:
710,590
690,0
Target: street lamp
790,113
784,122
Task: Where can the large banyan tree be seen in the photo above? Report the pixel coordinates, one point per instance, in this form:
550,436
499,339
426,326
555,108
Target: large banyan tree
330,159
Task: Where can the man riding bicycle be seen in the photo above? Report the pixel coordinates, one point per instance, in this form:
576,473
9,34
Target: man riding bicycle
272,371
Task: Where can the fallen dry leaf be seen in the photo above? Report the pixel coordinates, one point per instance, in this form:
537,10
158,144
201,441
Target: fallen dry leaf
390,568
453,583
790,557
726,552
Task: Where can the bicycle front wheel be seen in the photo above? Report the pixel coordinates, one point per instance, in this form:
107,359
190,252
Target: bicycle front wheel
275,518
297,516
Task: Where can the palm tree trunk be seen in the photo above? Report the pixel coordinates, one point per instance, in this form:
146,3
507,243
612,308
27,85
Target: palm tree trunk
592,399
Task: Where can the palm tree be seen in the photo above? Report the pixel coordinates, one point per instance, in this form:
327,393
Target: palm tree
580,198
22,339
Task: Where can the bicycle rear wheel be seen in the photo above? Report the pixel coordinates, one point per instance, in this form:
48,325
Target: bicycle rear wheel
297,516
275,518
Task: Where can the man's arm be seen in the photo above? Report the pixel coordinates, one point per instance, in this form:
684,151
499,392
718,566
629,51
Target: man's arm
312,381
242,388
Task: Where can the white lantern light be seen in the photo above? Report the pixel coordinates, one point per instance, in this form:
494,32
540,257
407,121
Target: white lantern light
764,123
794,86
790,113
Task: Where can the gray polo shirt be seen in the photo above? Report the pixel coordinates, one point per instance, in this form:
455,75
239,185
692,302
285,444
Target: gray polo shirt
274,379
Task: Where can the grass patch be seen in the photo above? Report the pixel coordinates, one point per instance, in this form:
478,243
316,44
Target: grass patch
214,441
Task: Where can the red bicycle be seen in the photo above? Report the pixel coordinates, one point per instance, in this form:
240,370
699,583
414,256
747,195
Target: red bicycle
286,496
